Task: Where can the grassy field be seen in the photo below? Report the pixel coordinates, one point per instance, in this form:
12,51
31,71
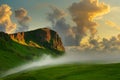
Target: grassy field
71,72
13,54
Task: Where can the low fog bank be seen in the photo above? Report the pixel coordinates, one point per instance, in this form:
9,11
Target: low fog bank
73,55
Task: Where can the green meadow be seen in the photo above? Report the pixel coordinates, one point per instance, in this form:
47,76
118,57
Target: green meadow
71,72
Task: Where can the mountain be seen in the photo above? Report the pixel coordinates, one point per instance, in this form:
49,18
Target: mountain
43,37
21,47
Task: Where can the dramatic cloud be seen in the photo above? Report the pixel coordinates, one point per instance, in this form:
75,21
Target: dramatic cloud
111,44
112,24
23,19
84,13
103,44
55,15
6,24
65,31
57,18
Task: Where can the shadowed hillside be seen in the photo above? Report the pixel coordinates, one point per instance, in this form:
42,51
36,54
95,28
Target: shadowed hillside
25,46
39,38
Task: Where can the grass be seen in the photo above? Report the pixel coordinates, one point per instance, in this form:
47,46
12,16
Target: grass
71,72
13,54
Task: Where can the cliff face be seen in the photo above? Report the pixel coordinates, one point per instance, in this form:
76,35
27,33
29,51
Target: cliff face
43,37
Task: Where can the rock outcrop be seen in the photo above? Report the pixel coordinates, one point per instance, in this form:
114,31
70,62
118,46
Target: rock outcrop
43,37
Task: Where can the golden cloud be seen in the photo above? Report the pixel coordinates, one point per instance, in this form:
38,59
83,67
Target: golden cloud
84,14
5,19
112,24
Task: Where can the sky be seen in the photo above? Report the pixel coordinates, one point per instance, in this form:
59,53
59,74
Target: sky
38,10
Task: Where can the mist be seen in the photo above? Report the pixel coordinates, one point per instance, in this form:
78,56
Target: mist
73,55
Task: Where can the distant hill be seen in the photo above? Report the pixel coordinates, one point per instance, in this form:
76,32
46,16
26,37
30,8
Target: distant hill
20,47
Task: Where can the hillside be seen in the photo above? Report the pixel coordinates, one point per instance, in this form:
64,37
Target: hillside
16,49
72,72
43,37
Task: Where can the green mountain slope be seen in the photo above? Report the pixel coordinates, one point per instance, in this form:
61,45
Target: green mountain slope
15,52
72,72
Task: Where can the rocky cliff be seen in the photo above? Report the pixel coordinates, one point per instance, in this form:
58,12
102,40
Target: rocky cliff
40,38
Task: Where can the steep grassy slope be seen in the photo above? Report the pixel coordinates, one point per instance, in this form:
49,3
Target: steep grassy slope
13,53
72,72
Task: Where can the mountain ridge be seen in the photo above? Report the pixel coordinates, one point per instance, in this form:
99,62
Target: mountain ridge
18,48
42,37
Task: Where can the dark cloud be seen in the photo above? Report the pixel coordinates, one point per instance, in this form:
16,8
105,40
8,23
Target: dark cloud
23,19
55,15
57,18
